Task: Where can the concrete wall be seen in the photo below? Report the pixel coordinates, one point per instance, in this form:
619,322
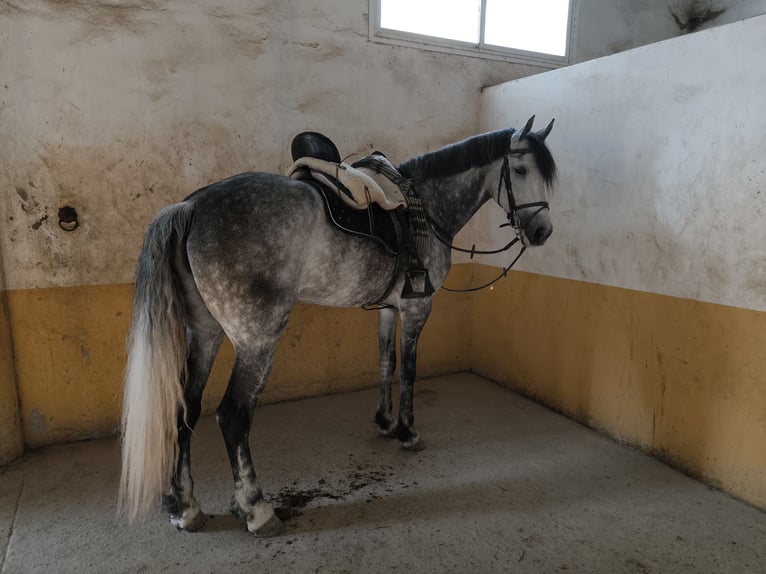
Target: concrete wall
603,28
693,15
644,314
118,109
11,442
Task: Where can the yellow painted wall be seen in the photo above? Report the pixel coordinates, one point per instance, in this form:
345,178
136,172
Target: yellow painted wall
70,355
11,444
683,380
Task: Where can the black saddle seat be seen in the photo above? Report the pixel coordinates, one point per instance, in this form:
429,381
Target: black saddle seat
314,144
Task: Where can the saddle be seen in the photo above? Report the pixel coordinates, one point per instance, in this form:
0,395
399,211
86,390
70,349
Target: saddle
364,199
359,184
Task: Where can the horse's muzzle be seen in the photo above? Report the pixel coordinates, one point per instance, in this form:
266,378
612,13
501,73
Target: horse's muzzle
538,232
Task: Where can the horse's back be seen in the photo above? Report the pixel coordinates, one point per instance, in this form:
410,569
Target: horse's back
266,238
243,244
251,208
249,182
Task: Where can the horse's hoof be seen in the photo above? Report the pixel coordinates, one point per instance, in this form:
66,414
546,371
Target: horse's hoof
190,520
414,444
408,438
388,432
386,427
272,527
263,522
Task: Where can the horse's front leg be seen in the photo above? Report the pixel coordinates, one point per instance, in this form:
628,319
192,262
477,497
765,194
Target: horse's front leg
414,313
387,342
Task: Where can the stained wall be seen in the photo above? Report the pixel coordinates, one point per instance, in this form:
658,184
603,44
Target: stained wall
693,15
11,440
118,109
603,28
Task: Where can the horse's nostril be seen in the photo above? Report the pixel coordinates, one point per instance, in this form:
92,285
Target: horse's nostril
541,234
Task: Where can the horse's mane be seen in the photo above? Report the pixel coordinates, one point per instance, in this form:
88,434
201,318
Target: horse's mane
477,151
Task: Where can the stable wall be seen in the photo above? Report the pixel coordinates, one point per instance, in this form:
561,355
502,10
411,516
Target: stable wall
118,109
603,28
716,12
71,375
11,441
645,313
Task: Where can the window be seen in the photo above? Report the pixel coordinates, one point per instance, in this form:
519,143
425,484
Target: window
530,31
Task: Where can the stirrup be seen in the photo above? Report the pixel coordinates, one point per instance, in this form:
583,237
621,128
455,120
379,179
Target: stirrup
417,284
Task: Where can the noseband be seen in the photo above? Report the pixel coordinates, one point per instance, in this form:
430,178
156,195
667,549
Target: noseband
514,220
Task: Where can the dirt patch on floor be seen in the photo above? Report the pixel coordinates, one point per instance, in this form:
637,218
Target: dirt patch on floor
290,500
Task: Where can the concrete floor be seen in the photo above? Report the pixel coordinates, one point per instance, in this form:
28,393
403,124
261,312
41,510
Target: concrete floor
504,486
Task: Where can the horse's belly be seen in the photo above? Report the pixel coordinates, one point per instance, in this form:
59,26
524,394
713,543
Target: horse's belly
347,272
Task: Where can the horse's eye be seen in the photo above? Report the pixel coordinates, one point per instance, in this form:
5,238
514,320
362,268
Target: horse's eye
521,170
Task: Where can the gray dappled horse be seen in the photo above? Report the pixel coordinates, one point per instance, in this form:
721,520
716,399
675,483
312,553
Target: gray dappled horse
235,257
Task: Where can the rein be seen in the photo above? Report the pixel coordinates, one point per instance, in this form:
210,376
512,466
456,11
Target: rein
473,251
514,221
493,281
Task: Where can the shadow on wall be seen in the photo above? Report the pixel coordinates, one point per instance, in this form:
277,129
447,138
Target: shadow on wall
691,15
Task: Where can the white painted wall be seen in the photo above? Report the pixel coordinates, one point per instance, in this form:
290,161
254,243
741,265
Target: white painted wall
121,108
662,182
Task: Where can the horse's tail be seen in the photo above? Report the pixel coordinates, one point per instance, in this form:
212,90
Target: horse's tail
156,366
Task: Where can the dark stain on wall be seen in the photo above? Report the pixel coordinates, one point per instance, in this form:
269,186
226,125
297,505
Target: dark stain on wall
694,15
36,225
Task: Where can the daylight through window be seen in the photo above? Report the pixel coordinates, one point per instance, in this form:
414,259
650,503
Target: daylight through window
540,27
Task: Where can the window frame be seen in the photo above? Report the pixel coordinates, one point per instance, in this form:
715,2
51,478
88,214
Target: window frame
481,49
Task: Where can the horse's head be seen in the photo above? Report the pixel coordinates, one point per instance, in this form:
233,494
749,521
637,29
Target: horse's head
527,174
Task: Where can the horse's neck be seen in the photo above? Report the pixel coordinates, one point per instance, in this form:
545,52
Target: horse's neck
451,201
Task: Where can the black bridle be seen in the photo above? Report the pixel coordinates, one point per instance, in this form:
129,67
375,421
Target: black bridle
514,221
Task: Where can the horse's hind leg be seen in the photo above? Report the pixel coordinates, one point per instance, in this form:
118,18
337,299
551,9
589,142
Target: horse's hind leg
387,342
204,339
414,314
235,414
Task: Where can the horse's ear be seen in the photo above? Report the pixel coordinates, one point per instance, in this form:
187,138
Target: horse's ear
527,127
544,133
